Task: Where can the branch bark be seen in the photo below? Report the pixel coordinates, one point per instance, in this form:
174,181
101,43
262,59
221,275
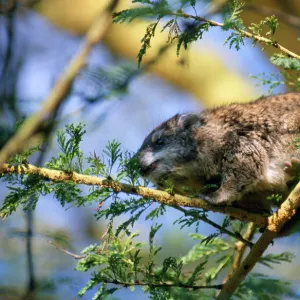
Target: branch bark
273,224
257,38
277,220
156,195
240,248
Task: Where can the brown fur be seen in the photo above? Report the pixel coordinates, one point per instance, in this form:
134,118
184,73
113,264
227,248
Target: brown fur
246,146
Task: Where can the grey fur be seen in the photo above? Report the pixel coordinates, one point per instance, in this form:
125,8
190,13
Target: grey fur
246,146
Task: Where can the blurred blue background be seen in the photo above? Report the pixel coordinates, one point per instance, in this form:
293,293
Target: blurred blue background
40,53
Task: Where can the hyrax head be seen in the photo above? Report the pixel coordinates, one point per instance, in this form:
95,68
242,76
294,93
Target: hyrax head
168,151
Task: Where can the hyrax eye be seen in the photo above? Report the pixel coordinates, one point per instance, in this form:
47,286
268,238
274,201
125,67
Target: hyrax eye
159,142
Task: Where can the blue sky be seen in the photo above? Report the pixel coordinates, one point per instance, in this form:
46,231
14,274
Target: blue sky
127,118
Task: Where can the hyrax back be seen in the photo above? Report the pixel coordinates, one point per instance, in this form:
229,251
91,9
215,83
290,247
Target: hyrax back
243,147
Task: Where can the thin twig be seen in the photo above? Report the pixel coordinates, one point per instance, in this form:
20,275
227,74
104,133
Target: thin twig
240,248
61,88
76,256
141,283
284,17
247,265
286,211
268,10
31,286
156,195
164,285
244,33
30,214
243,240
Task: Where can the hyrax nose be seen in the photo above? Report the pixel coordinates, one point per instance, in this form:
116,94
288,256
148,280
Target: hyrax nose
144,167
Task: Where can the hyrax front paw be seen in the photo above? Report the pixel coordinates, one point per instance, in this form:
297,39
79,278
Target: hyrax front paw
219,197
293,167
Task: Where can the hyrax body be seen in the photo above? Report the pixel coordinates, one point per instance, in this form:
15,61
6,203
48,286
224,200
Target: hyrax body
245,148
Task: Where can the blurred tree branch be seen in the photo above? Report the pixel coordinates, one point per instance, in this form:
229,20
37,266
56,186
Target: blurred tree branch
76,256
215,86
260,39
61,87
8,6
204,75
282,16
29,215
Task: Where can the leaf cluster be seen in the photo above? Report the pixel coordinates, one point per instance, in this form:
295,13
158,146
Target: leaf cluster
186,33
259,286
270,23
119,261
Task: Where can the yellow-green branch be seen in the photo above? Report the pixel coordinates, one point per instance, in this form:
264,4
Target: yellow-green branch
257,38
273,224
61,87
157,195
286,211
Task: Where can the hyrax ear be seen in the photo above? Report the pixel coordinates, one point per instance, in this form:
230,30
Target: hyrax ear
189,120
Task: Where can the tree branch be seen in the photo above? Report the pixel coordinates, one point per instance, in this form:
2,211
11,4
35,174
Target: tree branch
164,285
240,248
289,19
274,223
244,33
268,10
156,195
278,219
61,87
141,283
76,256
243,240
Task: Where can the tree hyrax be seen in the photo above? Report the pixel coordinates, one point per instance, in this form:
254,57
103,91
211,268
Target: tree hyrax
247,150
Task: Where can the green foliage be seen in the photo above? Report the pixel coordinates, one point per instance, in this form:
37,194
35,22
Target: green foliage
96,84
24,191
184,37
116,260
276,199
287,63
150,8
236,40
120,260
270,259
150,32
296,142
233,19
190,35
71,157
258,287
273,81
210,248
271,23
22,157
128,15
